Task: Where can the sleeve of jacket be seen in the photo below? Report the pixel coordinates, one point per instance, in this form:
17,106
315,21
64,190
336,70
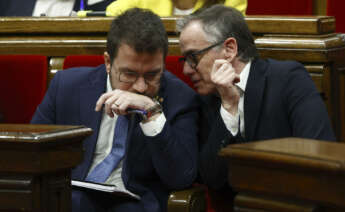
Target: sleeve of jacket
307,112
174,150
45,112
213,169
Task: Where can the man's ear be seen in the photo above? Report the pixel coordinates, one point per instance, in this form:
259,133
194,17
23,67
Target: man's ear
230,48
107,62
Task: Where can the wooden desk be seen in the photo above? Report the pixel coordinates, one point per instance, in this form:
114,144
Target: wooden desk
310,40
35,166
287,174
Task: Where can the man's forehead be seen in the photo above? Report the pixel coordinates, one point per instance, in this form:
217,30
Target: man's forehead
192,37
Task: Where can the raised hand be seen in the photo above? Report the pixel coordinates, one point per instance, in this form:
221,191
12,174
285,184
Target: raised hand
223,75
118,101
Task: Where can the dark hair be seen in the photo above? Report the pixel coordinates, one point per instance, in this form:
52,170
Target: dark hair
141,29
219,23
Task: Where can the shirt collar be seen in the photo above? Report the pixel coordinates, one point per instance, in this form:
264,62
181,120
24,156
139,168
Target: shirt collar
244,76
109,88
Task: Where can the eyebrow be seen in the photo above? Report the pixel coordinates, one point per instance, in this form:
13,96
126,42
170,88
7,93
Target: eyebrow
126,70
154,71
130,70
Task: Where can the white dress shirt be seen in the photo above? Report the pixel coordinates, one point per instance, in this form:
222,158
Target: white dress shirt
53,7
231,122
105,141
178,11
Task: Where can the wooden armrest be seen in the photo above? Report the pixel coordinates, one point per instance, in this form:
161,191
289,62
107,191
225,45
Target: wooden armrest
188,200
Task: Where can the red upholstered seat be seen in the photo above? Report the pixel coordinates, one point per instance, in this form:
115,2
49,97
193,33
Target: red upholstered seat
82,60
22,87
171,62
174,66
274,7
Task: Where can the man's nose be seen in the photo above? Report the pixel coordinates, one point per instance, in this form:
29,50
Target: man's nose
140,85
187,69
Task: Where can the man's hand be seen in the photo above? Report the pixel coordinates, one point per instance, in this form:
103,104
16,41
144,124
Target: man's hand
223,75
118,101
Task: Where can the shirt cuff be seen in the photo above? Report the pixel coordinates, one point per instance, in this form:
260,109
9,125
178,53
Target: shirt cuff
154,127
230,121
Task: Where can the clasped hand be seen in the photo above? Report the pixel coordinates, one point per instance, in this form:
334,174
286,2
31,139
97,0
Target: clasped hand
224,77
119,101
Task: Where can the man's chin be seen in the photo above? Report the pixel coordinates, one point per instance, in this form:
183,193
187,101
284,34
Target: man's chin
204,90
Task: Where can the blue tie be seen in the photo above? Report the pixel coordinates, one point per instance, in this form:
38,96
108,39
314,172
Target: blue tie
103,170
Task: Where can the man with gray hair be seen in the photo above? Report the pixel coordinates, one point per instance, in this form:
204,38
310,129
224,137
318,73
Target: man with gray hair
245,98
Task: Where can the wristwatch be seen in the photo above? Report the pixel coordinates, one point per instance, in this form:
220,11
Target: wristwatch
157,108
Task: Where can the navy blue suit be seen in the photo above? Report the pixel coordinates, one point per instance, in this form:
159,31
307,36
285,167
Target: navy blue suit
280,100
152,166
25,8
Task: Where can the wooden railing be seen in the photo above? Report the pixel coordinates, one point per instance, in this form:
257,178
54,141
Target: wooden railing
35,166
288,174
309,40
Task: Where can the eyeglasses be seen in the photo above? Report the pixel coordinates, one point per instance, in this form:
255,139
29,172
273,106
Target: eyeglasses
132,77
193,58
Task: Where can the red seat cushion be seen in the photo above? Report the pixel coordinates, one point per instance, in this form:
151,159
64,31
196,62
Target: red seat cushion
82,60
23,85
174,66
274,7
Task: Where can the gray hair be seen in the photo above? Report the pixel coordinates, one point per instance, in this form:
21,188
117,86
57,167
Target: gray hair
219,23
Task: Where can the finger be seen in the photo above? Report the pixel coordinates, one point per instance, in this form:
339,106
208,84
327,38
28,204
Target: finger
217,64
103,98
221,73
100,101
108,104
123,108
229,79
236,79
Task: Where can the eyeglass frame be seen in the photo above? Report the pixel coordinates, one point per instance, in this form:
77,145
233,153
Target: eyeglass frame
194,61
138,75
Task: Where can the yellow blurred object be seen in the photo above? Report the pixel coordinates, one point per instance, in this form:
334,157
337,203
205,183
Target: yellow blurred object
164,7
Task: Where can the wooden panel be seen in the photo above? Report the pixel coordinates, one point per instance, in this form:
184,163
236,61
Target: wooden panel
291,24
319,7
96,25
39,25
249,202
341,102
290,169
14,190
35,166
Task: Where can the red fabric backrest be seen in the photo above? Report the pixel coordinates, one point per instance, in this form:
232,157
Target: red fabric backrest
336,8
275,7
174,66
22,87
171,63
83,60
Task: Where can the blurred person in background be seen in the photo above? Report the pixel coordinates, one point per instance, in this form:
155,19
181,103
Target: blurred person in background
49,7
172,7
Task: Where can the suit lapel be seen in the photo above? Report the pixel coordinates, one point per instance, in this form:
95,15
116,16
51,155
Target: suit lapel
89,94
253,97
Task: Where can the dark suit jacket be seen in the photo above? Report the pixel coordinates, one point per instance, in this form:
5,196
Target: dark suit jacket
25,8
280,100
152,166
